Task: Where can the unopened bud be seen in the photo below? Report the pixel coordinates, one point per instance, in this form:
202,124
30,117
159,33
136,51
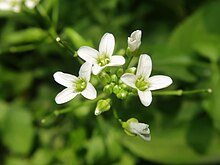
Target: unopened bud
114,78
102,106
120,72
122,94
131,70
104,77
108,89
134,41
116,89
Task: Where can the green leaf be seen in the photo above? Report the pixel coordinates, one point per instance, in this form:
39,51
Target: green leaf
169,146
76,39
42,156
16,161
202,28
18,131
200,133
95,149
25,36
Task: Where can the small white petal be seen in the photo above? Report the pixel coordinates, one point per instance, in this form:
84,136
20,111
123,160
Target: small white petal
88,54
129,79
65,96
107,44
116,61
85,71
136,35
158,82
31,3
89,92
65,79
134,41
96,69
5,6
144,66
146,137
140,127
145,97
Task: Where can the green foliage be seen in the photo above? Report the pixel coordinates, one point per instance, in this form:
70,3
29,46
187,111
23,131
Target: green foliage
182,37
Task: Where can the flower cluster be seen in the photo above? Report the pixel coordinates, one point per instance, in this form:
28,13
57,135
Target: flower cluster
16,5
115,77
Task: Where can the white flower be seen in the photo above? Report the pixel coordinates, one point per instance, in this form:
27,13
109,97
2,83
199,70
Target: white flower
75,85
132,127
31,3
102,58
11,5
134,41
143,83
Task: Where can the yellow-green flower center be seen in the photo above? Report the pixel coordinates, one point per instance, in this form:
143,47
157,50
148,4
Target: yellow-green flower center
141,84
80,85
103,59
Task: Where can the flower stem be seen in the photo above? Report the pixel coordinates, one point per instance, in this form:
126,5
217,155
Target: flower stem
128,63
181,92
65,45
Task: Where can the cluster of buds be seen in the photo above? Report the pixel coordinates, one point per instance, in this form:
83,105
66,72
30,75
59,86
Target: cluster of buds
118,80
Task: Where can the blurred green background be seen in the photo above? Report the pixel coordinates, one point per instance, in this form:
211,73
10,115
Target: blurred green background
183,39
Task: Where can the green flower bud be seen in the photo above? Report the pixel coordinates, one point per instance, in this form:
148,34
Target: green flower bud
131,70
116,89
122,94
114,78
104,77
119,72
124,86
108,89
102,106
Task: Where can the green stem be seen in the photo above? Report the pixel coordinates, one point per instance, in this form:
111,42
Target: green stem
181,92
115,113
65,45
128,63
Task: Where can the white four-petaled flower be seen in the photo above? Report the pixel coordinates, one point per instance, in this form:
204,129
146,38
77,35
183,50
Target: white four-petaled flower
102,58
134,41
75,85
143,83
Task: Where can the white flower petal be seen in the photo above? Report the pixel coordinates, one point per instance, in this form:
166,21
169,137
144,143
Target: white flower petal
145,97
136,35
89,92
107,44
140,129
129,79
134,41
65,96
144,66
116,61
96,69
158,82
5,6
88,54
146,137
65,79
85,71
31,3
